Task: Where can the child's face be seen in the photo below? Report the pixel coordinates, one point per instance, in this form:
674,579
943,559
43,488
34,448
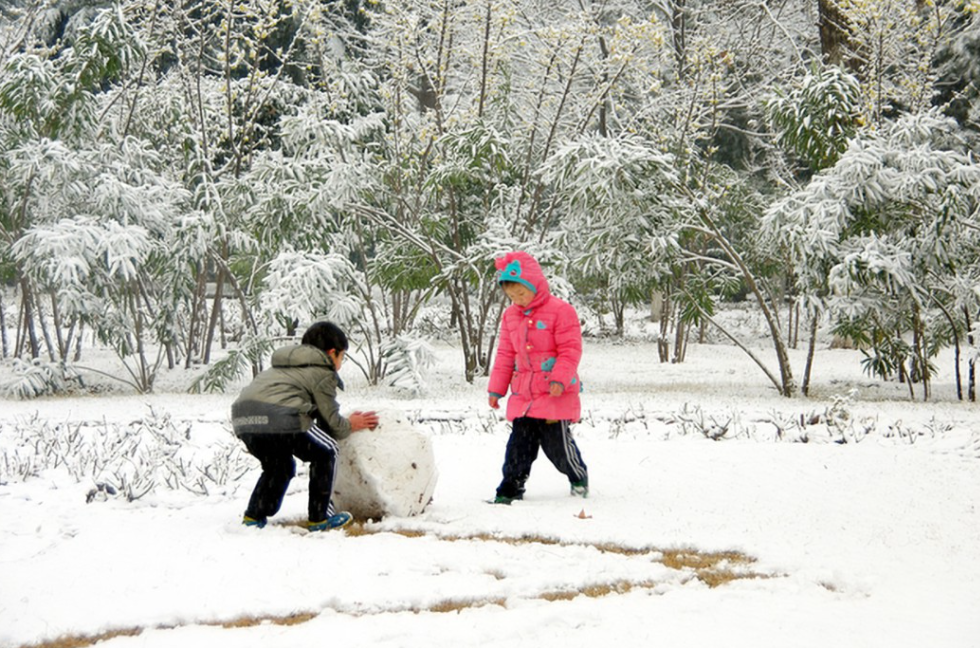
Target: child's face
337,357
518,294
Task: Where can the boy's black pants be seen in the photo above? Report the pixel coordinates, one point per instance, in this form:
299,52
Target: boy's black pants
275,452
526,436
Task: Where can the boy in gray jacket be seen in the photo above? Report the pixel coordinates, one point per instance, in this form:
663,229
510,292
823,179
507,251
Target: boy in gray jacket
291,410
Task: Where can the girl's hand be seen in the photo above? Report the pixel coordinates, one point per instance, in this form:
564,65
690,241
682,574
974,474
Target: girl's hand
494,402
363,421
556,389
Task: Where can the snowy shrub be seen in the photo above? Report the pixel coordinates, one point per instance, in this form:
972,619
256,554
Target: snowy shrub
449,422
407,361
789,427
33,446
842,427
629,419
434,320
38,378
618,192
693,420
836,424
124,460
932,429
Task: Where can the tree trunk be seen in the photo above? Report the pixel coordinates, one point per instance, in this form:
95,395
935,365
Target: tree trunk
663,340
4,344
678,31
197,302
216,305
956,345
26,330
62,345
810,353
833,32
787,386
972,381
793,325
45,333
619,314
680,340
919,346
77,355
971,388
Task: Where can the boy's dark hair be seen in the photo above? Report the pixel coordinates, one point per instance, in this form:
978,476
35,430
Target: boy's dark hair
325,336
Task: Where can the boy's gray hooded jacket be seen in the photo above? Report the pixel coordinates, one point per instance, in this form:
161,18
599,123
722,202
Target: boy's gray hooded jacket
301,384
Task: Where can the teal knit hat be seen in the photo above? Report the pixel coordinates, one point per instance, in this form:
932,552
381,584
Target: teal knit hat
514,273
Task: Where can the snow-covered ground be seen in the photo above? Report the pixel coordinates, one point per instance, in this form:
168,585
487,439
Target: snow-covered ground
866,535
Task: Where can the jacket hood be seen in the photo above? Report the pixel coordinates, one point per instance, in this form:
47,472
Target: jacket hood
524,269
300,355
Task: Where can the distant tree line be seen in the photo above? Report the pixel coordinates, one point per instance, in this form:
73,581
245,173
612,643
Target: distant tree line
180,175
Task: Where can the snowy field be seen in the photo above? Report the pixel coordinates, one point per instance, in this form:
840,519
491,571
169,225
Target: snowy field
865,535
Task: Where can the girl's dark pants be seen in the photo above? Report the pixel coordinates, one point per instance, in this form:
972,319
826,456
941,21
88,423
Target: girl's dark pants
529,434
275,452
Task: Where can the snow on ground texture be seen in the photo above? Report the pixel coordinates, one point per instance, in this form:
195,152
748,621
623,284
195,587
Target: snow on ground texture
875,543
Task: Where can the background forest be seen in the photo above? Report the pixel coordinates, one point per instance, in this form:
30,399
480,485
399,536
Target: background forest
179,177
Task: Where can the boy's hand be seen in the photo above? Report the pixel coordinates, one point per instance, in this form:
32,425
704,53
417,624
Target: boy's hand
494,402
363,421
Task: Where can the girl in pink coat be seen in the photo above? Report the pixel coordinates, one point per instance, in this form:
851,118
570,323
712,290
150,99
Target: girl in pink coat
537,361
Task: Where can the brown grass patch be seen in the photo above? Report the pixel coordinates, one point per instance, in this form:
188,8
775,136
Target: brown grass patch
712,568
597,590
296,618
82,641
458,605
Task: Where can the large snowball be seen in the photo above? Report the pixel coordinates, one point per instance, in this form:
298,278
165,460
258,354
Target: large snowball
390,471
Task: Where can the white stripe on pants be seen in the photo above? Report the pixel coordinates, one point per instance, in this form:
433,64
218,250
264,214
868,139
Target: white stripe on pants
322,438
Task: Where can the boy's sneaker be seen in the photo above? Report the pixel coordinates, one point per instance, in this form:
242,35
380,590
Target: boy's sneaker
500,499
252,522
580,489
337,521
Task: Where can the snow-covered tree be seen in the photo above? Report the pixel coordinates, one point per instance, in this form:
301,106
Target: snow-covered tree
410,143
813,121
100,246
49,159
706,109
618,197
892,47
892,230
478,94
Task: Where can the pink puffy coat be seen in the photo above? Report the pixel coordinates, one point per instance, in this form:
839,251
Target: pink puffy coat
538,345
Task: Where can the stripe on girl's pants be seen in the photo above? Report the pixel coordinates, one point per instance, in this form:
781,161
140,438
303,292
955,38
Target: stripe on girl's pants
330,443
571,451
